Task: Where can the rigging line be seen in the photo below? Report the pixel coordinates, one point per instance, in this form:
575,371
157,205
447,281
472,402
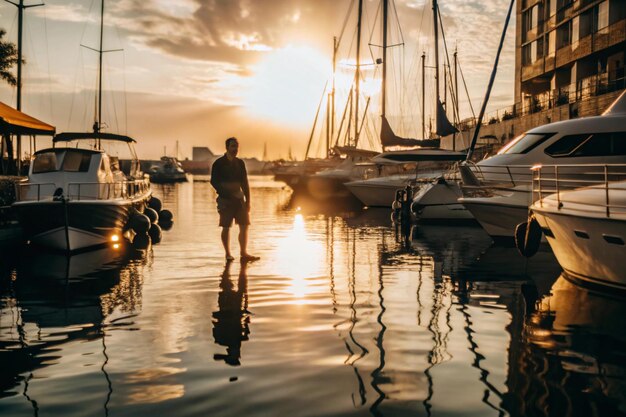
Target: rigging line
445,47
308,146
345,23
469,100
369,43
492,78
125,93
395,12
117,123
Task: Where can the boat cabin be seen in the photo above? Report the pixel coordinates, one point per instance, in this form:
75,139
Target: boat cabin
74,173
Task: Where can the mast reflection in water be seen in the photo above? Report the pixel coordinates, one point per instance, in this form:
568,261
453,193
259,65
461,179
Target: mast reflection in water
340,317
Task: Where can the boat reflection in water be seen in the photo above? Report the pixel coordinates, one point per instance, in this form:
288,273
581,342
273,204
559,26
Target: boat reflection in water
50,301
478,306
339,318
571,361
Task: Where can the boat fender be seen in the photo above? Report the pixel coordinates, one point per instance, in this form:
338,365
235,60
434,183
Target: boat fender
396,206
58,194
140,223
155,233
152,215
417,209
405,210
166,216
155,204
528,237
141,241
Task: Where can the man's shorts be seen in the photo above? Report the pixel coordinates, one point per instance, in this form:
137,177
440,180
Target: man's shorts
232,209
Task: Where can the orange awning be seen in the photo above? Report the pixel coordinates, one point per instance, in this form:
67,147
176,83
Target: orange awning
15,122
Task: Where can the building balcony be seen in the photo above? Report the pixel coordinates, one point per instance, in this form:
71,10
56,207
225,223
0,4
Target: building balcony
598,41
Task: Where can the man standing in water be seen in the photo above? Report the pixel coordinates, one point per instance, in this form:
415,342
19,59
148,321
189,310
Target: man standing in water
230,180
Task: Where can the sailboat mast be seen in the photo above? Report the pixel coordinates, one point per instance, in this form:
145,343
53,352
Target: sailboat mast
20,21
99,121
357,77
332,105
456,97
423,95
384,85
436,34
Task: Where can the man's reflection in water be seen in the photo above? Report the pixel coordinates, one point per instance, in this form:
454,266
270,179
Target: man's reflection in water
231,321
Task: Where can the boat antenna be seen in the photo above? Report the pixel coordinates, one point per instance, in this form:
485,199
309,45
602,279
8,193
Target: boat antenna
20,25
470,151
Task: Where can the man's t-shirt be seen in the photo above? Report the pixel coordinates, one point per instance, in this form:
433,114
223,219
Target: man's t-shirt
230,178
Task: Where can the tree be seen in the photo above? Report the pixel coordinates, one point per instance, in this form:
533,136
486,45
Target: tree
8,58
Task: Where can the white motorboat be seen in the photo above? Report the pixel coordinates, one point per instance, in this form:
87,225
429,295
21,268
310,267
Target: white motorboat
497,190
586,227
77,197
428,164
437,200
167,170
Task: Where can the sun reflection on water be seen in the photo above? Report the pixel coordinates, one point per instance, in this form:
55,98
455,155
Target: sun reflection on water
302,259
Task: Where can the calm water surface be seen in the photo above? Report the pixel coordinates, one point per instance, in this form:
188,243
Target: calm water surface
339,318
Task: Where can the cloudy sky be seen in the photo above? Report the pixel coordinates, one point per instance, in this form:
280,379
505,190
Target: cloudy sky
198,71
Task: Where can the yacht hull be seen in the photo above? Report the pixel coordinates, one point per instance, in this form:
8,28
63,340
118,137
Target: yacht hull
72,226
497,218
438,201
581,246
378,194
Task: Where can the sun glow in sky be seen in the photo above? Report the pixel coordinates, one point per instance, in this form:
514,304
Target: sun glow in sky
197,71
285,83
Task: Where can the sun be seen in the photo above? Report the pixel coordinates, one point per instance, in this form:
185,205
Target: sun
287,85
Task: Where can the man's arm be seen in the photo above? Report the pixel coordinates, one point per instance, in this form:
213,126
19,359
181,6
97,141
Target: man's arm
245,187
216,178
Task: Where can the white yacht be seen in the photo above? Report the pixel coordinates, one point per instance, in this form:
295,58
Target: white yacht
426,165
586,227
497,190
76,196
437,200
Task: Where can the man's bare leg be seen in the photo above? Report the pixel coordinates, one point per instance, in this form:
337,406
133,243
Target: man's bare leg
243,244
226,242
243,239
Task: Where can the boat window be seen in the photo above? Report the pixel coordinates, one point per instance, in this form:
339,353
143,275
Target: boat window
76,162
566,145
524,143
603,144
45,162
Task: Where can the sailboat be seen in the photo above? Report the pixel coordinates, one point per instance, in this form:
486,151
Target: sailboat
77,196
428,160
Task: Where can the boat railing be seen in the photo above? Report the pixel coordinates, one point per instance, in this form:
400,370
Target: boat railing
83,190
501,176
558,179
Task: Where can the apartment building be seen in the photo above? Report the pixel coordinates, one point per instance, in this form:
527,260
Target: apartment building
567,51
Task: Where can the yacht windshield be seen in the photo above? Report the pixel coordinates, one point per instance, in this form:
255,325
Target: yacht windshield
45,162
524,143
61,160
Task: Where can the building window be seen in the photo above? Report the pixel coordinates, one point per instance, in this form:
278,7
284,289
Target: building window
575,32
552,7
563,35
602,17
551,43
526,55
